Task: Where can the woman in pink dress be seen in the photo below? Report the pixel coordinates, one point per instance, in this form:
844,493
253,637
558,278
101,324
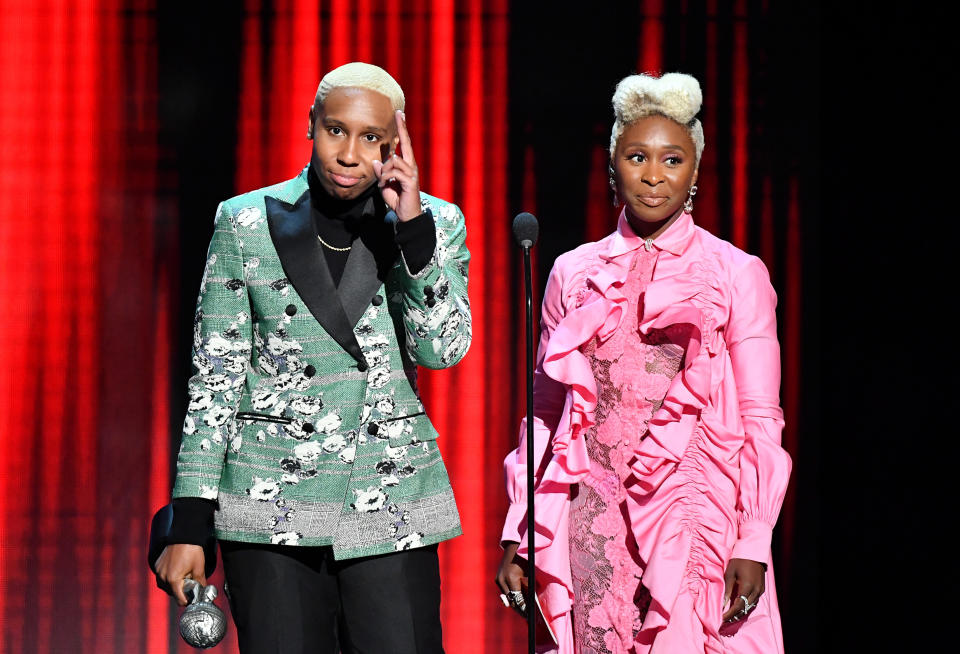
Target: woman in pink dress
660,473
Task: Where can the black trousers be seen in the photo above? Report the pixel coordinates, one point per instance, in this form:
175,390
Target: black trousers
299,600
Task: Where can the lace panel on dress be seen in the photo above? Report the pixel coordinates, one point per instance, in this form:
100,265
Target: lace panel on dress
633,373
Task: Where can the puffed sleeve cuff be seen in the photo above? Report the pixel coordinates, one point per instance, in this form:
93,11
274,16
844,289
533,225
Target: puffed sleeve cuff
417,240
753,543
192,520
516,514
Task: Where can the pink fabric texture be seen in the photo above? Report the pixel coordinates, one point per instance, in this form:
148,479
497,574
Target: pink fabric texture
632,371
708,473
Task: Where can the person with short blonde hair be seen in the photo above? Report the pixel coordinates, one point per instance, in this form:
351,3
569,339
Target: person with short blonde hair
656,410
306,447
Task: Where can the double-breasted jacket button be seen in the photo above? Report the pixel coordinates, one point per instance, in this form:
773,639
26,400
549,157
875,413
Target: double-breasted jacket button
431,302
291,310
373,429
377,300
428,290
362,366
310,371
308,428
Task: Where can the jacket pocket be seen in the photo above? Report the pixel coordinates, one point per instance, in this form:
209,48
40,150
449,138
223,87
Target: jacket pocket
411,415
263,417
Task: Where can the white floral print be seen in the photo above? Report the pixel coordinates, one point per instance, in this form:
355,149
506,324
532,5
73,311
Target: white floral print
396,453
249,217
334,443
286,538
409,541
263,490
385,404
328,423
308,453
263,400
379,377
369,500
200,401
217,416
217,346
235,364
217,383
347,454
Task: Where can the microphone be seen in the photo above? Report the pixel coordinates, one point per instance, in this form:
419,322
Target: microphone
525,229
525,232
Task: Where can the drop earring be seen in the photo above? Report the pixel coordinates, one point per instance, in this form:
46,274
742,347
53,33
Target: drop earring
688,205
613,185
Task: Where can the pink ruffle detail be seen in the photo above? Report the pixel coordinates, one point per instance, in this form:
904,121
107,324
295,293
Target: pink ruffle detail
600,314
682,523
690,296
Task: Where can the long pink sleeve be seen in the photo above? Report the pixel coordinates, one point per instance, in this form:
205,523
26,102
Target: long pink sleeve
751,336
548,401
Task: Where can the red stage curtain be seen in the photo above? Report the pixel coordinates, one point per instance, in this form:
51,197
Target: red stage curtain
84,454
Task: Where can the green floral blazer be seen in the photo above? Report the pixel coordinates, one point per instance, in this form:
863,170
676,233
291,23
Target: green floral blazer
304,420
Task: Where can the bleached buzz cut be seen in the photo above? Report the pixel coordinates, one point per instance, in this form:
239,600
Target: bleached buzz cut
675,95
357,74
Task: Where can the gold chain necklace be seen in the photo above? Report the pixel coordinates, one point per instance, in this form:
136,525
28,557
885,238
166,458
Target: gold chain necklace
335,249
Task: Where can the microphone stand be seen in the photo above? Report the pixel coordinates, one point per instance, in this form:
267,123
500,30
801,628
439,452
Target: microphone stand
531,549
525,231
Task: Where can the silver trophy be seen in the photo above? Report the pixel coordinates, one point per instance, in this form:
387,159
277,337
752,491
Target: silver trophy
202,624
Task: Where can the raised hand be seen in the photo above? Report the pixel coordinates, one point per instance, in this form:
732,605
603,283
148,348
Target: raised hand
398,177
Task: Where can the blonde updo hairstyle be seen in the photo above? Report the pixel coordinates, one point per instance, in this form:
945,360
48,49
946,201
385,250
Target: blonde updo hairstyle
675,96
359,75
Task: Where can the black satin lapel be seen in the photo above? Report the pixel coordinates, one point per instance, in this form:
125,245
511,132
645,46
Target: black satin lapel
370,259
359,281
294,237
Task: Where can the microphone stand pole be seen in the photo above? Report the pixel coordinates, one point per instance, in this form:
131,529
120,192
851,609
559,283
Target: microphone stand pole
531,549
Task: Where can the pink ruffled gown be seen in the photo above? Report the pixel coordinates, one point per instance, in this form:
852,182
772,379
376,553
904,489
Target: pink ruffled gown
657,441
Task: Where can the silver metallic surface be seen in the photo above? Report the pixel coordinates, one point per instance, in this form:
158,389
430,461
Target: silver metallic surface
202,624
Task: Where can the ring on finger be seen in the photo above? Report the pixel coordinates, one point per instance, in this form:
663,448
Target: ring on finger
516,598
747,606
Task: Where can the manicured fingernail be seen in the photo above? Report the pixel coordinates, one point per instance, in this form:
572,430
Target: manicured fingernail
503,598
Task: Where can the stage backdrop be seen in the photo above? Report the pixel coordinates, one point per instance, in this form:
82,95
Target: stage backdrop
125,122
